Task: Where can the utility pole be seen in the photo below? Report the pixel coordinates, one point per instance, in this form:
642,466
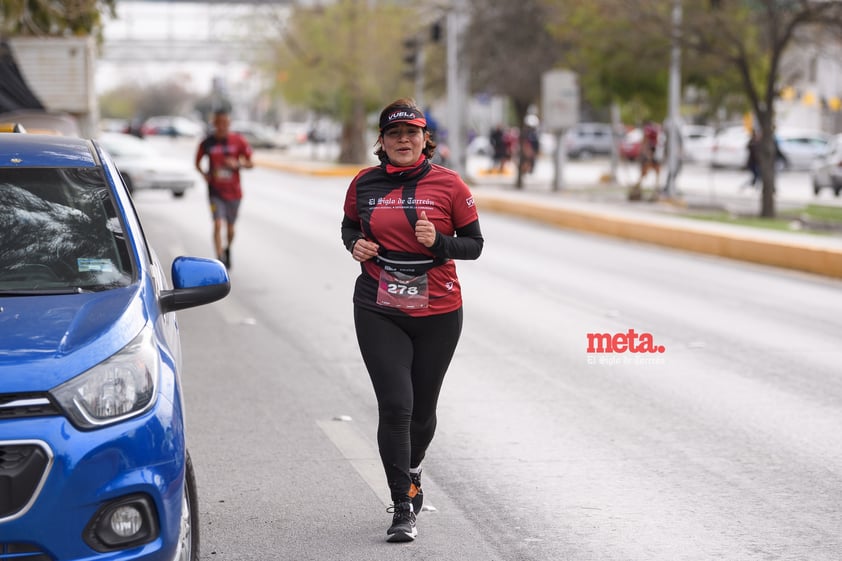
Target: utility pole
457,86
673,140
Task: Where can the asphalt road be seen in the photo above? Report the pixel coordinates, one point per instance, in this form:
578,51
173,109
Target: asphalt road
724,446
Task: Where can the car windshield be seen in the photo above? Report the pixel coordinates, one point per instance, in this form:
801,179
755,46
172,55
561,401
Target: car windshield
60,232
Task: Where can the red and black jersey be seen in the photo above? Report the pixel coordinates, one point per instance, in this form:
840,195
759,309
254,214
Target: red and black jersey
383,203
225,180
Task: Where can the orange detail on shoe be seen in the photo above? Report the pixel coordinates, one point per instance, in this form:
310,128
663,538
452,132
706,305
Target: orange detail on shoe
413,490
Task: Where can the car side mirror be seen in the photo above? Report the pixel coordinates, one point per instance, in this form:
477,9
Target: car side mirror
196,281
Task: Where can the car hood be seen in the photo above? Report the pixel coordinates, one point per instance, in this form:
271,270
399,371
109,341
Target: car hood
46,340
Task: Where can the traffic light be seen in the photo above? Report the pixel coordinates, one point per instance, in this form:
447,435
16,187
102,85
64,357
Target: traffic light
436,31
411,46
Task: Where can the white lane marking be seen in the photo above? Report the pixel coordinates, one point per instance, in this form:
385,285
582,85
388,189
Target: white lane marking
234,313
229,307
361,454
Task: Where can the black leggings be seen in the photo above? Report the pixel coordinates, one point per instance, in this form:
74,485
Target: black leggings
406,358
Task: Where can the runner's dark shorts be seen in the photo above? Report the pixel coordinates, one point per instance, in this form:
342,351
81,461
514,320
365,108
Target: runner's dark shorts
224,210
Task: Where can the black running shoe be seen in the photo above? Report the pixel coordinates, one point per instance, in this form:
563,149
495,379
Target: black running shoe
403,523
415,492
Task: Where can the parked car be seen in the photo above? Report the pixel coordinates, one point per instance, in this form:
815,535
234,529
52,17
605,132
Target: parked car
826,172
293,133
172,125
730,147
799,147
258,135
143,166
586,140
93,462
630,144
43,122
114,125
802,147
697,143
480,145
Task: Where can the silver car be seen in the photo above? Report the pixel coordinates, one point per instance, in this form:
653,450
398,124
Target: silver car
586,140
802,147
826,172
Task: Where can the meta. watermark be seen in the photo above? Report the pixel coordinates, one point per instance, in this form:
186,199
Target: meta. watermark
624,348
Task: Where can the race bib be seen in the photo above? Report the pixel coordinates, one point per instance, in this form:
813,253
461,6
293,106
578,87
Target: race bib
222,174
399,290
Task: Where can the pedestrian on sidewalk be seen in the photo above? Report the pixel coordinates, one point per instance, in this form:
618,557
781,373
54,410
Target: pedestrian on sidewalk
406,221
500,149
753,161
227,153
529,144
650,159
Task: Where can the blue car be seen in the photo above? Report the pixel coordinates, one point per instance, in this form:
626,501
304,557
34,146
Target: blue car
93,463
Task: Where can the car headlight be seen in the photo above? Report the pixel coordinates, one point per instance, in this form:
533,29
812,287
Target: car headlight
120,387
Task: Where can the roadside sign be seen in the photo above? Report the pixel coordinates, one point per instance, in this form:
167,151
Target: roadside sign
560,94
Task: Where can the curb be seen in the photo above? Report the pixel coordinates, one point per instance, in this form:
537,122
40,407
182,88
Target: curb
744,247
327,170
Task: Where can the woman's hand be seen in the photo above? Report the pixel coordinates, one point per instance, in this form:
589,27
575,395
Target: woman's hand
425,232
364,250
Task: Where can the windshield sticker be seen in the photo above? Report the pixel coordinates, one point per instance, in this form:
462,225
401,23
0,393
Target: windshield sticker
89,265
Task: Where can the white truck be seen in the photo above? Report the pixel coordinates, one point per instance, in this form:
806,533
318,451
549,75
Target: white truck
61,71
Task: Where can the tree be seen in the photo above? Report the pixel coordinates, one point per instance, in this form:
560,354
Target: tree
509,47
745,39
51,18
344,59
615,64
751,37
163,98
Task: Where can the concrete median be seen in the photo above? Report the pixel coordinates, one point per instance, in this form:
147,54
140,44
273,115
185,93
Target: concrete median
681,234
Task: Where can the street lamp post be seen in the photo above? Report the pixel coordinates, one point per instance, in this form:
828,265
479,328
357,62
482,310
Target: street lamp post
673,141
457,85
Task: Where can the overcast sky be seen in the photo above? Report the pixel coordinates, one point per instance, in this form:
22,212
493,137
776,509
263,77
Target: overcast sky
171,25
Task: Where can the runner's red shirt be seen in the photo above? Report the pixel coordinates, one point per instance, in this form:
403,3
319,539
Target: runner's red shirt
382,201
225,182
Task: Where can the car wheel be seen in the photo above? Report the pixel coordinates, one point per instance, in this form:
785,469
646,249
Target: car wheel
178,194
188,538
837,190
816,187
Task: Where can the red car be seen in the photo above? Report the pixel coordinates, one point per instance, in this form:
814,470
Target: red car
630,144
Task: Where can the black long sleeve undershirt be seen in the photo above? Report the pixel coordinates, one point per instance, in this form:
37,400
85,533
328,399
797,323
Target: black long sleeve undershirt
466,244
351,232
